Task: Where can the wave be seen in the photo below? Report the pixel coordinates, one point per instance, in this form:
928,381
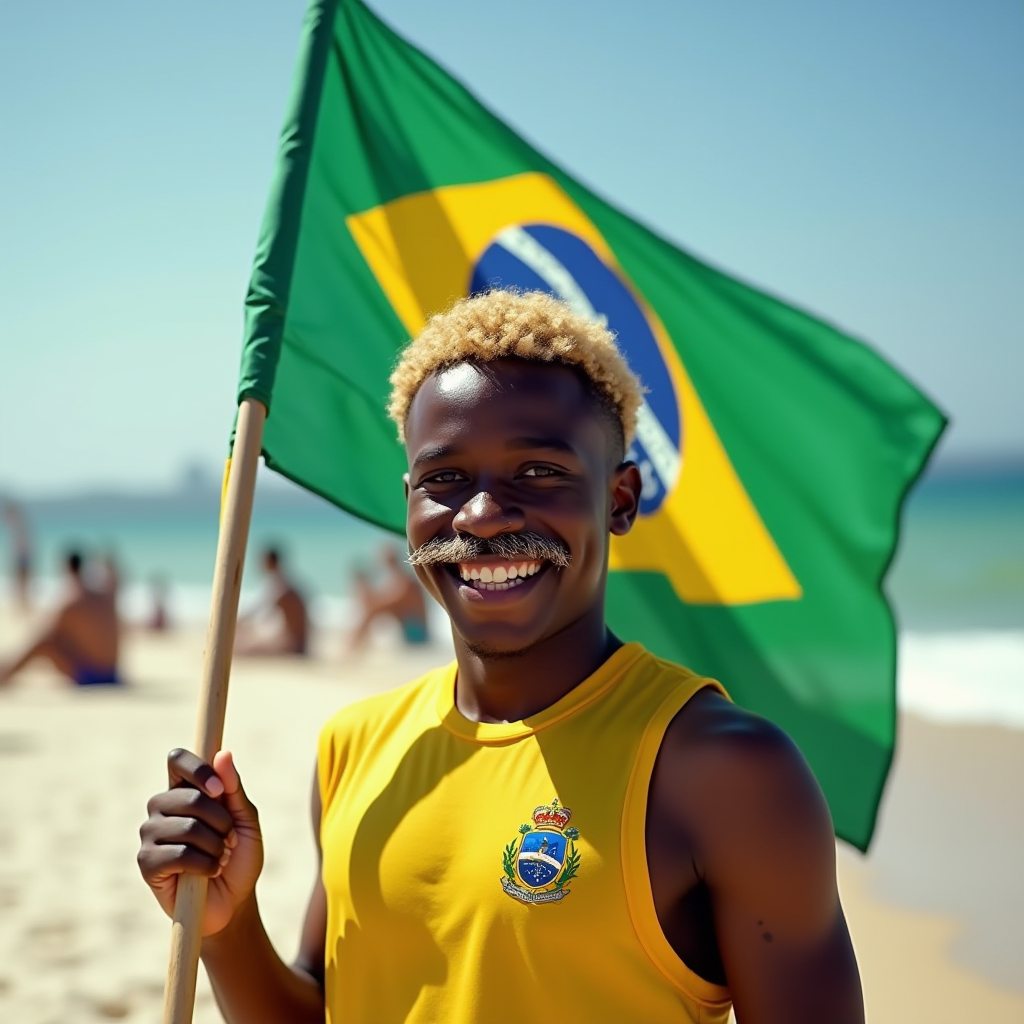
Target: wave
963,677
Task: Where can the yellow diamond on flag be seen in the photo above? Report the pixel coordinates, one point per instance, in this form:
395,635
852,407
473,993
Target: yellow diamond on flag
697,524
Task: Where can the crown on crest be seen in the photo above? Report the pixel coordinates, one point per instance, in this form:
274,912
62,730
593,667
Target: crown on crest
552,815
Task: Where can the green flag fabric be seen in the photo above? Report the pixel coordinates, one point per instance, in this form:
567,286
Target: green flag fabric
775,451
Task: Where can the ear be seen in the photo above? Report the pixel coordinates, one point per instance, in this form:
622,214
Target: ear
626,486
405,482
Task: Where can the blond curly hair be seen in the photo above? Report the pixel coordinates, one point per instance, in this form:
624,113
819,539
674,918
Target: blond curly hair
523,325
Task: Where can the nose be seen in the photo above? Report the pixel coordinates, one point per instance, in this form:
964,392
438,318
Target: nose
483,517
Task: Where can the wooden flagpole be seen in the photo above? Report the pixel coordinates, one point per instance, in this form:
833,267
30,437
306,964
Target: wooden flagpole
186,929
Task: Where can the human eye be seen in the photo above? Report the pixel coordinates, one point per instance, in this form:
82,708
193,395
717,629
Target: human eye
542,471
444,476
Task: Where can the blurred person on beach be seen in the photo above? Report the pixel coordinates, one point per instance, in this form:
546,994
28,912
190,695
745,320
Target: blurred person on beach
82,639
159,619
287,631
398,597
558,822
21,555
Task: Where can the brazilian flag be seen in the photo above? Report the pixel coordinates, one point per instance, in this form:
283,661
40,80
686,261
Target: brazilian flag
775,451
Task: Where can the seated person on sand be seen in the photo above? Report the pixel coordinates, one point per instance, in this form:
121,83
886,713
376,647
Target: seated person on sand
158,620
288,631
399,597
81,641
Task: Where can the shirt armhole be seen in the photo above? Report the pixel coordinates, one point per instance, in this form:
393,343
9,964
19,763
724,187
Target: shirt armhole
637,880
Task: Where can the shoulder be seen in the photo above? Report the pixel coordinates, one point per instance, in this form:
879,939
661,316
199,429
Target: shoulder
739,787
379,718
81,604
710,728
657,683
707,730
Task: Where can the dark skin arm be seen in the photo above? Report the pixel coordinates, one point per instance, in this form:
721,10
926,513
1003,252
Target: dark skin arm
741,854
204,824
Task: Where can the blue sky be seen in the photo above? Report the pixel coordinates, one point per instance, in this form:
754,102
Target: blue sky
865,162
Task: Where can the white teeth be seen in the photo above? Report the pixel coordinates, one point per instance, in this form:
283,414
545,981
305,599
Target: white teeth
480,585
500,577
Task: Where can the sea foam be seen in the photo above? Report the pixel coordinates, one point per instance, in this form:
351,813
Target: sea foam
975,677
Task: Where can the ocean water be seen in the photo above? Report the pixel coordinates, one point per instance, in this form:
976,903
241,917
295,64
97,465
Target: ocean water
960,562
956,584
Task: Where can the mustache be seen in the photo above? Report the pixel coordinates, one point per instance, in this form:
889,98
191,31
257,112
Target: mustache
510,546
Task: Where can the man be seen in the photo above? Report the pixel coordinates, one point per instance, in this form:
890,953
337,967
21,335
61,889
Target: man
558,823
289,633
398,597
159,620
82,639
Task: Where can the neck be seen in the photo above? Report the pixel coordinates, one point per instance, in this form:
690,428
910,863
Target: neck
511,687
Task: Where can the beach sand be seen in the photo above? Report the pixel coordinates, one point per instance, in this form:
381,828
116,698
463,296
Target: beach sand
936,911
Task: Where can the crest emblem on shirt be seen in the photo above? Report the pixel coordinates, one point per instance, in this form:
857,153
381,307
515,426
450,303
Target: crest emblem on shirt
542,860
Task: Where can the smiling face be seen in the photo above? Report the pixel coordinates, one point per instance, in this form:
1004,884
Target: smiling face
515,484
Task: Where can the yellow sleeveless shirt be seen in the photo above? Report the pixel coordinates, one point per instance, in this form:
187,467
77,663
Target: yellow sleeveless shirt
480,873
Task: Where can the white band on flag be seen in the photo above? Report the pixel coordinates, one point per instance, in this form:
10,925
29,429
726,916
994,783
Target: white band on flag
664,456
